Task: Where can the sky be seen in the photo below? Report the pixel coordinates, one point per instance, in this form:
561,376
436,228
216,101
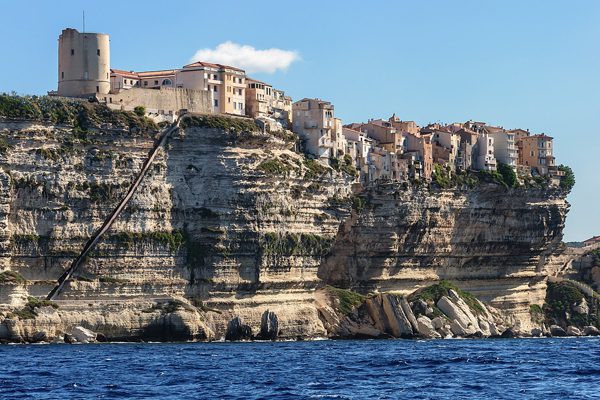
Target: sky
519,64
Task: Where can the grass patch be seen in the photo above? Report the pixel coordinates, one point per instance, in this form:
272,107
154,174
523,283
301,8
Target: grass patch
219,122
30,309
274,167
174,239
80,114
290,244
348,299
12,277
314,169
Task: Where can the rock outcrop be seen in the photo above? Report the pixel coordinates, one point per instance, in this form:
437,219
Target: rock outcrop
235,224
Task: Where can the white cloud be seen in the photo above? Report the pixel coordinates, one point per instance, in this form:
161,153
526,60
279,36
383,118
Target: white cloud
247,57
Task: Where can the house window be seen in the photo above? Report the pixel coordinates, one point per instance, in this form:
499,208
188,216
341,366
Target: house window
155,82
234,105
72,52
167,82
145,83
216,103
229,99
98,51
215,88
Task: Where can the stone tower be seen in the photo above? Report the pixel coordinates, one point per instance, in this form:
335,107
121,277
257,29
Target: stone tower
83,63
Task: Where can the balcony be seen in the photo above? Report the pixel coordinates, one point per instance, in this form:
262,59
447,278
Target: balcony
325,142
214,81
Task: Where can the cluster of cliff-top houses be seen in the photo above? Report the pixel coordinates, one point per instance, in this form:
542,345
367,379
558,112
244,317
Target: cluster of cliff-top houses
380,149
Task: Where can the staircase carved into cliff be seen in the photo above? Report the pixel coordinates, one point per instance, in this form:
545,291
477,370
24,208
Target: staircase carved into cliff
110,219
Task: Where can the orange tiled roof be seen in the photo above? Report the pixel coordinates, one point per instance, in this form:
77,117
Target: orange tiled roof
539,136
150,74
207,64
127,74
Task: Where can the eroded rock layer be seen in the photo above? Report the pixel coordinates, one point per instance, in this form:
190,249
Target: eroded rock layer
231,225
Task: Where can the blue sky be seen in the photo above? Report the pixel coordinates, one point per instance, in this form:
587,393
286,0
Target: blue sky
529,64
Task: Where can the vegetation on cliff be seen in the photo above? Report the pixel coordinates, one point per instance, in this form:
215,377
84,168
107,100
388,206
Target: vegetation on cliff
432,294
562,300
77,113
230,124
12,277
568,181
278,244
347,300
29,311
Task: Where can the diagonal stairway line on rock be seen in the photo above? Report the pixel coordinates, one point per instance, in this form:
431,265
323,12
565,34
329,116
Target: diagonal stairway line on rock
91,243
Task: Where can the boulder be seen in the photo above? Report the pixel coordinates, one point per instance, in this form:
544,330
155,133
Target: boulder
494,331
237,330
83,335
409,314
537,332
557,331
70,339
397,322
41,336
460,330
582,308
269,325
463,306
425,328
438,322
419,307
484,326
573,331
591,331
463,324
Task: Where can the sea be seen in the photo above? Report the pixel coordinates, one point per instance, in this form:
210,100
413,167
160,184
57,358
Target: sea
565,368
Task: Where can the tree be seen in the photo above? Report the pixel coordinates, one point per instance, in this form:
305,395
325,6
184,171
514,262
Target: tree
140,111
509,175
568,180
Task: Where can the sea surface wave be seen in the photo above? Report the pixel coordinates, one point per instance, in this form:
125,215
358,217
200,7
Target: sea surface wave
376,369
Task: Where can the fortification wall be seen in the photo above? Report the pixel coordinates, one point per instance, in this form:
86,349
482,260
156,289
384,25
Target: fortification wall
163,100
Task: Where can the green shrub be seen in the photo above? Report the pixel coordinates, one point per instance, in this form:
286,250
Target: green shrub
348,299
568,180
314,169
274,167
509,176
173,240
4,146
30,309
140,111
289,244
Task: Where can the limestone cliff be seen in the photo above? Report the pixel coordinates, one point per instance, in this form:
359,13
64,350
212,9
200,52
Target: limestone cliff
233,223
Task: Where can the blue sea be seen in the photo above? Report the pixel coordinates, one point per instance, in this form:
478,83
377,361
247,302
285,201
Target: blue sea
376,369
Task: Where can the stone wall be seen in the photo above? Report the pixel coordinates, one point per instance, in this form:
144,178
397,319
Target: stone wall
164,99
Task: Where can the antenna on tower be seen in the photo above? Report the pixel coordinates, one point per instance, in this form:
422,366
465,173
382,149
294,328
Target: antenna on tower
83,21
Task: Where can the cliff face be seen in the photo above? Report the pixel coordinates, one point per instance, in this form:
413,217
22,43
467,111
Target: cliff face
230,224
494,240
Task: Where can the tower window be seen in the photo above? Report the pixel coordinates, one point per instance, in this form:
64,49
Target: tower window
72,52
97,89
98,51
62,74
